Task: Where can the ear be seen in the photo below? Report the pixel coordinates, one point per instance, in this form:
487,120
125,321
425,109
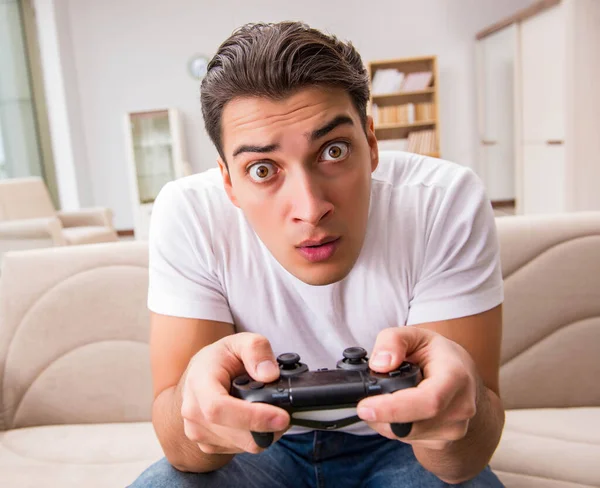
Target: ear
372,140
227,181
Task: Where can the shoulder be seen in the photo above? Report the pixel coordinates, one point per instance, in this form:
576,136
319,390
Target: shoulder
205,188
194,209
403,170
424,188
199,199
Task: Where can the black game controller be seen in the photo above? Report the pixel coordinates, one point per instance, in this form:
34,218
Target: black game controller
312,398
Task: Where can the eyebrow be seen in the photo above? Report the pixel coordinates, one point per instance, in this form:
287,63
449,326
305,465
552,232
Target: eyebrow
312,136
255,149
327,128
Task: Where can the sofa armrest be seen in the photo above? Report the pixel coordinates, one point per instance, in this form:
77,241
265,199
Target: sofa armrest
29,229
97,216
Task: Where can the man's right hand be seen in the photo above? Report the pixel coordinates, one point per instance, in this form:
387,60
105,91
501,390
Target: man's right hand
216,421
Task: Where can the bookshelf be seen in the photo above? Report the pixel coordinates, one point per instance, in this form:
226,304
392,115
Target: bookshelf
404,104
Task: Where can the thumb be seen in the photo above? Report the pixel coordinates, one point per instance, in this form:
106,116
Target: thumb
394,345
254,350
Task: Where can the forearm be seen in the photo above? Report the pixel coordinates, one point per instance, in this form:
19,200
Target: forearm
180,451
464,459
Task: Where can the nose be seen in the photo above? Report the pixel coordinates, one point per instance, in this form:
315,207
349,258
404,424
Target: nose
309,203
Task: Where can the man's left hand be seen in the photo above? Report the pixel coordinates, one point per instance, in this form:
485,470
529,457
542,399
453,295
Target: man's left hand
443,403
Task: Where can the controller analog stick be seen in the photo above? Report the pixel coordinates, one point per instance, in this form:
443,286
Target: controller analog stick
354,355
354,358
288,360
289,364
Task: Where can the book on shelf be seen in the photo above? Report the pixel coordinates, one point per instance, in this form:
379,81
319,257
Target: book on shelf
405,114
417,81
418,142
422,142
386,81
389,80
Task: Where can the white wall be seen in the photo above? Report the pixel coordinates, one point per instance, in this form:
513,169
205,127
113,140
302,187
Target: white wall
132,55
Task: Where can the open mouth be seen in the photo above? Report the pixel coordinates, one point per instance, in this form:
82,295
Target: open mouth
317,252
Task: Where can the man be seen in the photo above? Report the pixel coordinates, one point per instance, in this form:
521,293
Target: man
306,239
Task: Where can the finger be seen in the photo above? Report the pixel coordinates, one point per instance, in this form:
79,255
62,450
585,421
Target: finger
243,440
209,402
256,354
231,412
426,431
206,388
394,345
425,401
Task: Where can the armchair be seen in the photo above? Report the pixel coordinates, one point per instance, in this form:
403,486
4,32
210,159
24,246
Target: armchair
29,220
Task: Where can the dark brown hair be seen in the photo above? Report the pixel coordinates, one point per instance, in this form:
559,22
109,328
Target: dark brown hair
273,61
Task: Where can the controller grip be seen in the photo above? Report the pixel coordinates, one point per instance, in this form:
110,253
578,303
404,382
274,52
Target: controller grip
263,439
401,430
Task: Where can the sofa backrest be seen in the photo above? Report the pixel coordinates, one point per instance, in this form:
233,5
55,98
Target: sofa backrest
551,332
25,198
74,335
74,325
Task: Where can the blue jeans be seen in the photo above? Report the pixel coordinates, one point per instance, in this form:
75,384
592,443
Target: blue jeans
317,459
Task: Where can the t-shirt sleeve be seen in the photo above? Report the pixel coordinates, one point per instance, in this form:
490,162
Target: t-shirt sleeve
183,277
460,273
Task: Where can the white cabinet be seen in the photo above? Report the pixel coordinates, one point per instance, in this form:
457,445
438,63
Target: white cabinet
543,178
543,97
555,104
156,156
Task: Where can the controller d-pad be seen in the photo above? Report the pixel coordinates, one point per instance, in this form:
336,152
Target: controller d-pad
404,368
241,380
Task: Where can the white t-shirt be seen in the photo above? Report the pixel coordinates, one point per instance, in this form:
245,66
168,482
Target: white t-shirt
431,253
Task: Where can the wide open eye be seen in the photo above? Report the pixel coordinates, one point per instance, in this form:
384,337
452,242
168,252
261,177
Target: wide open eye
262,171
335,151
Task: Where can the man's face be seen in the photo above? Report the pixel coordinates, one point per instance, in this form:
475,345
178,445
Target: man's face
300,170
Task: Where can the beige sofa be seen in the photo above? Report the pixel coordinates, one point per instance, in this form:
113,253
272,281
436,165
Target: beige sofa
75,385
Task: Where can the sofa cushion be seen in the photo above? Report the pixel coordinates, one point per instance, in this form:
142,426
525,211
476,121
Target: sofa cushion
552,447
90,456
89,234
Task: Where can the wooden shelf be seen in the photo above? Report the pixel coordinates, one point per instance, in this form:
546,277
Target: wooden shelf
401,131
425,105
399,98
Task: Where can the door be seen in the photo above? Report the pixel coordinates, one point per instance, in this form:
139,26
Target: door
495,66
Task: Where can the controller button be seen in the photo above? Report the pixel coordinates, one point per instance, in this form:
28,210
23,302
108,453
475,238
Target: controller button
280,389
256,385
241,380
405,367
372,381
397,372
322,369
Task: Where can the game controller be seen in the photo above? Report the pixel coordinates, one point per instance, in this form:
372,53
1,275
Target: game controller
316,399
